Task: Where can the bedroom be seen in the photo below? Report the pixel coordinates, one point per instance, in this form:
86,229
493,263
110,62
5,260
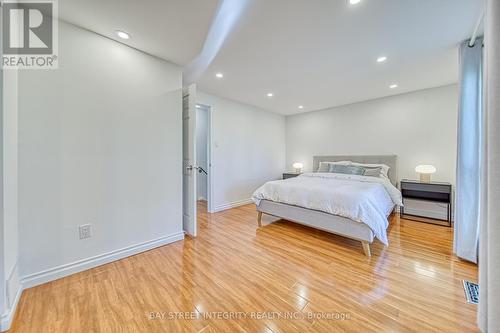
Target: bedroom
249,165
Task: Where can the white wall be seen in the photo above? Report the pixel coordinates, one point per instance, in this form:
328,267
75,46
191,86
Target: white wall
201,152
100,142
420,127
248,149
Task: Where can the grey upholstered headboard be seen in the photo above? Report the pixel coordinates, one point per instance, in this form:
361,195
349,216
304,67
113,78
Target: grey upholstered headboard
389,160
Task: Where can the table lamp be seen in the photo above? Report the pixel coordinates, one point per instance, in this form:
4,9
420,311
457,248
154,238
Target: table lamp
298,167
425,172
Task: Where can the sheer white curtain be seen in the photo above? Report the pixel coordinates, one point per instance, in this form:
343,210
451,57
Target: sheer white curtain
469,156
489,252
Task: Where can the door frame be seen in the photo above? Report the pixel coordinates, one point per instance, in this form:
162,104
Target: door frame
3,282
210,179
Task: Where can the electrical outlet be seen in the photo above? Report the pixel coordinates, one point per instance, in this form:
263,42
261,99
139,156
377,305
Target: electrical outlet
84,231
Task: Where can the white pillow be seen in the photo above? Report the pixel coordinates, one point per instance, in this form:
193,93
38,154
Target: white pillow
325,166
384,171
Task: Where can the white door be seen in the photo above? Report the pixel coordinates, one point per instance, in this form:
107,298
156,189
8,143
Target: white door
189,160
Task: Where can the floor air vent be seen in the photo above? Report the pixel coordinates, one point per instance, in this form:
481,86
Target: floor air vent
471,292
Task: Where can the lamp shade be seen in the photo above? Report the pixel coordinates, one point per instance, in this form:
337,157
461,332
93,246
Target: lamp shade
298,165
425,168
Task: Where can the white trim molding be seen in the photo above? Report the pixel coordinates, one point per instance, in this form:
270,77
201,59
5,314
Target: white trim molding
233,204
84,264
6,319
13,284
13,294
79,266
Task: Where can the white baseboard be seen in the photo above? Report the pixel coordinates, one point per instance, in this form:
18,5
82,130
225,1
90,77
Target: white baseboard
75,267
7,318
14,291
233,204
84,264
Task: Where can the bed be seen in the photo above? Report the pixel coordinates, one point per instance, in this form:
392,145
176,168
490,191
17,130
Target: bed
352,206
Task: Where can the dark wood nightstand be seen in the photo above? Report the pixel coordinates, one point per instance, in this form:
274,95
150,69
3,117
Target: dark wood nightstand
433,192
287,175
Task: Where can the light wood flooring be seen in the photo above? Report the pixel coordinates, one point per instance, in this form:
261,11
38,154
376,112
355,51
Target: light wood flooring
282,277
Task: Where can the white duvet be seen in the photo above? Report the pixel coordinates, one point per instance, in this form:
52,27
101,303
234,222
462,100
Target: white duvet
363,199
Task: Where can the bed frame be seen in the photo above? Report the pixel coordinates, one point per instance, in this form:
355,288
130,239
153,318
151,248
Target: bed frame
331,223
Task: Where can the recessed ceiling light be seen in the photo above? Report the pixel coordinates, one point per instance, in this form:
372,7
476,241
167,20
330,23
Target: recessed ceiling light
393,86
270,94
301,107
197,106
219,75
122,34
354,2
381,59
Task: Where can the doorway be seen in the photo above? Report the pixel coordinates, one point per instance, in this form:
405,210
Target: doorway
191,167
203,160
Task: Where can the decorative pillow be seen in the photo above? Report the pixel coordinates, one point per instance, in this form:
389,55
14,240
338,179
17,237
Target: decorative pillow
373,172
347,169
384,171
325,166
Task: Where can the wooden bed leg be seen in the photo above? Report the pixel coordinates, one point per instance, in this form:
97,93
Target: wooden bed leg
259,219
366,248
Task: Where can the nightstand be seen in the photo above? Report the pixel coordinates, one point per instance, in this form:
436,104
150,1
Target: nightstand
432,192
287,175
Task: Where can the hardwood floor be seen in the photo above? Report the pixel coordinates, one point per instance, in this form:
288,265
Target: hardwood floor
280,269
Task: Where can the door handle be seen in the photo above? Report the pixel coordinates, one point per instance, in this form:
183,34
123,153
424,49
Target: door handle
200,169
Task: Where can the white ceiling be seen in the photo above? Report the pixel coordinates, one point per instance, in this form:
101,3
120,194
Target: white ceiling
315,53
174,30
322,53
